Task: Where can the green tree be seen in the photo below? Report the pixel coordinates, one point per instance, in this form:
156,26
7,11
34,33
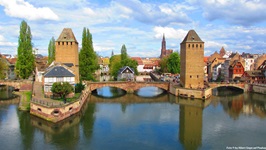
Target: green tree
51,51
3,68
88,62
62,89
163,65
115,65
124,53
25,62
173,63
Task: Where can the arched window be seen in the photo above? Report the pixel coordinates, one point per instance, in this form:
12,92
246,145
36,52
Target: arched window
192,45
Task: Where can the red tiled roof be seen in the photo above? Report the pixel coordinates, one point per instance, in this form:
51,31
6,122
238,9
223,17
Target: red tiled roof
138,59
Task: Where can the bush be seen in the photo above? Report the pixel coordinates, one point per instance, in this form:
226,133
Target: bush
79,87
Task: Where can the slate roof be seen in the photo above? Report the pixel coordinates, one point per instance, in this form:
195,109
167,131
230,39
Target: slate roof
67,36
121,70
192,36
58,71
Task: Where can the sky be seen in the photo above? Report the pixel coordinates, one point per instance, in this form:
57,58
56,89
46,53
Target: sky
237,25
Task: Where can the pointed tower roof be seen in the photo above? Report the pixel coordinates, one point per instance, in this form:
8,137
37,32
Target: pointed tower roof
192,36
67,36
163,37
222,50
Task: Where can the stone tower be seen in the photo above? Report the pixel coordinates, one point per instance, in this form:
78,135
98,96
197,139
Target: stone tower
163,49
66,51
192,61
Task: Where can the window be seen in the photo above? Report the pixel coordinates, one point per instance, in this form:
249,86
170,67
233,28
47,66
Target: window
62,43
188,45
190,76
197,76
60,79
192,45
50,80
196,45
58,43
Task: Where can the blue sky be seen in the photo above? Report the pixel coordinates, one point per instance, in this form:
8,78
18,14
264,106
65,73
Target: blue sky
238,25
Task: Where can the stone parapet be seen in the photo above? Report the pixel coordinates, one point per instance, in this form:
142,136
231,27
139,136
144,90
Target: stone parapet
56,113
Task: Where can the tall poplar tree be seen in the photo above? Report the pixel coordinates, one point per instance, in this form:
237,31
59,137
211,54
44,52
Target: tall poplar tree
124,52
25,60
88,62
51,51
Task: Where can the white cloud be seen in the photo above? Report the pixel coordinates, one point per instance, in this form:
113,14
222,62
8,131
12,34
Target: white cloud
25,10
4,42
170,33
243,12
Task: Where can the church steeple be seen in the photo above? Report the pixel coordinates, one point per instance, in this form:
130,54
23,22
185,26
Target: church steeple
163,49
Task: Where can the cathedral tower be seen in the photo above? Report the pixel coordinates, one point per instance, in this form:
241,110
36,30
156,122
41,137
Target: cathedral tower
191,61
163,49
66,51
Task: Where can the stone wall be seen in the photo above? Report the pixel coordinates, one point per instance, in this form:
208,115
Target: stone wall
58,113
190,93
259,88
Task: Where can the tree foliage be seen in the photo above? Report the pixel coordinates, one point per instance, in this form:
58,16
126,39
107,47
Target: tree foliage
3,68
173,63
119,61
115,65
25,61
62,88
88,62
124,52
51,51
163,65
170,64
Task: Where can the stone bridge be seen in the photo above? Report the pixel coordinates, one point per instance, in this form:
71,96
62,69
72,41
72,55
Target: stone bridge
214,85
128,86
22,85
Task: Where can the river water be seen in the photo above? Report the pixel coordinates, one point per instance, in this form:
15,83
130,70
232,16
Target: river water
139,121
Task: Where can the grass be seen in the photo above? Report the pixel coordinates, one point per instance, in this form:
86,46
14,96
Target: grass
76,96
25,100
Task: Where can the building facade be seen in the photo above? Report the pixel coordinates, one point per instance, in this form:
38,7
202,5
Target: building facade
192,61
57,73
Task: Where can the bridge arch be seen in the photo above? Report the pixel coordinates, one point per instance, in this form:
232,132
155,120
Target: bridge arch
240,86
130,87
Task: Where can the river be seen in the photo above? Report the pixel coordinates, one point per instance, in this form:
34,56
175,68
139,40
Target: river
147,119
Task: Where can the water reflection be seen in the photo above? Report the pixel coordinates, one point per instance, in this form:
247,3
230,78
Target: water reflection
113,92
190,134
133,122
108,92
66,134
149,92
6,92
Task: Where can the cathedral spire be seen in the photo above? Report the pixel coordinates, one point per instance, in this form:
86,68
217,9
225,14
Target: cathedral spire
163,49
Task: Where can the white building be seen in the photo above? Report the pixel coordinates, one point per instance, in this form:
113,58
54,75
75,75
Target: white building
216,70
57,73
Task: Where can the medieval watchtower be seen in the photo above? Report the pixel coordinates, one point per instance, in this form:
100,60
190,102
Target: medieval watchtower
192,56
66,51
